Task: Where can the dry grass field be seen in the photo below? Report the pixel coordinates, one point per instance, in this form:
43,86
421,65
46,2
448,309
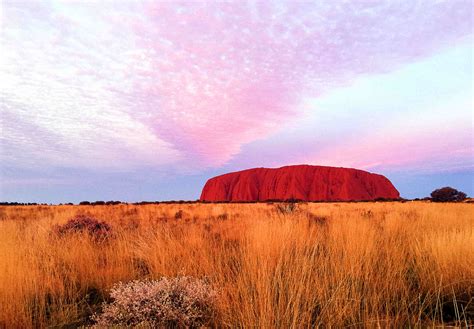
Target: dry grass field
321,264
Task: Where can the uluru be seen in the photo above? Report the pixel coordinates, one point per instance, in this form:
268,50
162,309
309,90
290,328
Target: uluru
298,182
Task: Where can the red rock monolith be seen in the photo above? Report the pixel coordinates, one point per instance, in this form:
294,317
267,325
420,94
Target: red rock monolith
300,182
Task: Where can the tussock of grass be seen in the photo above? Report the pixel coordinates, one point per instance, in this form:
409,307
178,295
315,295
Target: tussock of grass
354,264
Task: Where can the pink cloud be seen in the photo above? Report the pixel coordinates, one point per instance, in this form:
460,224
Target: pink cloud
192,83
228,74
436,138
417,118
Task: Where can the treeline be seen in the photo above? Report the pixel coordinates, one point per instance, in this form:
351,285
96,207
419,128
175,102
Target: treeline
108,203
140,203
445,194
22,204
98,203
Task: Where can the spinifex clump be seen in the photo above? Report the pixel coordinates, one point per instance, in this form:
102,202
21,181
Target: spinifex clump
98,230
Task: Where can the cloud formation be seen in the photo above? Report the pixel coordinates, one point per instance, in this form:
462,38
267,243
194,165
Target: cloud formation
130,84
230,74
415,119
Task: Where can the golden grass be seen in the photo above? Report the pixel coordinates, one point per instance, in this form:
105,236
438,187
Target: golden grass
339,264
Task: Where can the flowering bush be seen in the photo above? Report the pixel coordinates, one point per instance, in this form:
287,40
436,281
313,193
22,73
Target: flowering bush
168,302
85,223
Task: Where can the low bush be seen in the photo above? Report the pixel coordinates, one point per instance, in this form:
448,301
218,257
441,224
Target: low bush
317,219
223,216
447,194
85,224
286,208
112,203
179,214
169,302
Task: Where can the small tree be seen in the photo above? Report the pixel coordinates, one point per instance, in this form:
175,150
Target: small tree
447,194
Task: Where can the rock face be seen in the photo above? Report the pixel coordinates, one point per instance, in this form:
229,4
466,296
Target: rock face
302,182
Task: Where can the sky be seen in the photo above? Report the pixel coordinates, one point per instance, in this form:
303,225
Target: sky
147,100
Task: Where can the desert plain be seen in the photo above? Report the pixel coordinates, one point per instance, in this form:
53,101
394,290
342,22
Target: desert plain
272,265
